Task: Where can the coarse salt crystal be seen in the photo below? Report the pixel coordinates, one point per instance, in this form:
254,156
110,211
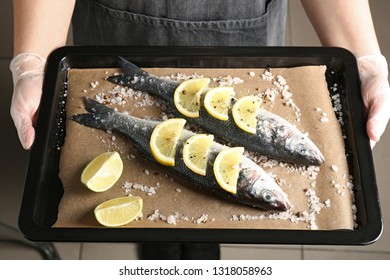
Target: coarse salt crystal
171,220
94,84
334,168
313,226
202,219
268,76
349,185
324,119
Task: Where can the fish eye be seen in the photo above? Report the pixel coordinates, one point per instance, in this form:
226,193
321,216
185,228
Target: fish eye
268,196
304,151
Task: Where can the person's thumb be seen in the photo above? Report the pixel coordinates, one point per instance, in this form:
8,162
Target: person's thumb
378,115
25,129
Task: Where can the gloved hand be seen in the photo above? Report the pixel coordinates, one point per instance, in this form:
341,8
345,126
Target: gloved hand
373,73
27,73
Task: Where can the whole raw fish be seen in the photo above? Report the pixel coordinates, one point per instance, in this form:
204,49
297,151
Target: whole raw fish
254,187
275,137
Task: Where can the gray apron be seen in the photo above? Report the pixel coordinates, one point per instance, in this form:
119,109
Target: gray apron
179,22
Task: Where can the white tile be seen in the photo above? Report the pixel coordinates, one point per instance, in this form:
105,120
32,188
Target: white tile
344,255
265,246
68,251
255,252
109,251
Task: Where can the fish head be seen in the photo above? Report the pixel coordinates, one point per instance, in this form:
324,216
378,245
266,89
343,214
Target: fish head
275,200
270,195
262,190
287,141
302,147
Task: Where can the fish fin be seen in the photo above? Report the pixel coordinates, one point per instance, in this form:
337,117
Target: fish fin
99,115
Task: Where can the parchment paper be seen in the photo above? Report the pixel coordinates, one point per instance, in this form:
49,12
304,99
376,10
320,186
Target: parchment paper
321,198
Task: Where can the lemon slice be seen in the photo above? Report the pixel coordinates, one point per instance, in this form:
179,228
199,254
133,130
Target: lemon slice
102,172
227,168
187,96
195,152
217,102
118,211
245,111
164,140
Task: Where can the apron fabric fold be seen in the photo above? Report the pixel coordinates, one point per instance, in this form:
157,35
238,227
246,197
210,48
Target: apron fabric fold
180,22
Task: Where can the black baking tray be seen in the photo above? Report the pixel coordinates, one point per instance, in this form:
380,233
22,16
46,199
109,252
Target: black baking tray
43,189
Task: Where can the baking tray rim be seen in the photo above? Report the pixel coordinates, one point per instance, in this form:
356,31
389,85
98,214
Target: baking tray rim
32,230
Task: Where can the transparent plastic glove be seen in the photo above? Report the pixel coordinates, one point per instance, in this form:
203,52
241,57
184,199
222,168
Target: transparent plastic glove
373,71
27,73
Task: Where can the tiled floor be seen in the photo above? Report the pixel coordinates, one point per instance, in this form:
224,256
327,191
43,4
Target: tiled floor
13,164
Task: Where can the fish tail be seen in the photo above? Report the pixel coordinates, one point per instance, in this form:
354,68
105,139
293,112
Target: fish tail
130,68
138,79
99,116
117,79
133,75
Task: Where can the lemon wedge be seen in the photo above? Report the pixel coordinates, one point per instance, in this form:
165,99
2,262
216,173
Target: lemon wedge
245,111
227,168
217,102
164,140
118,211
102,172
195,152
187,96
